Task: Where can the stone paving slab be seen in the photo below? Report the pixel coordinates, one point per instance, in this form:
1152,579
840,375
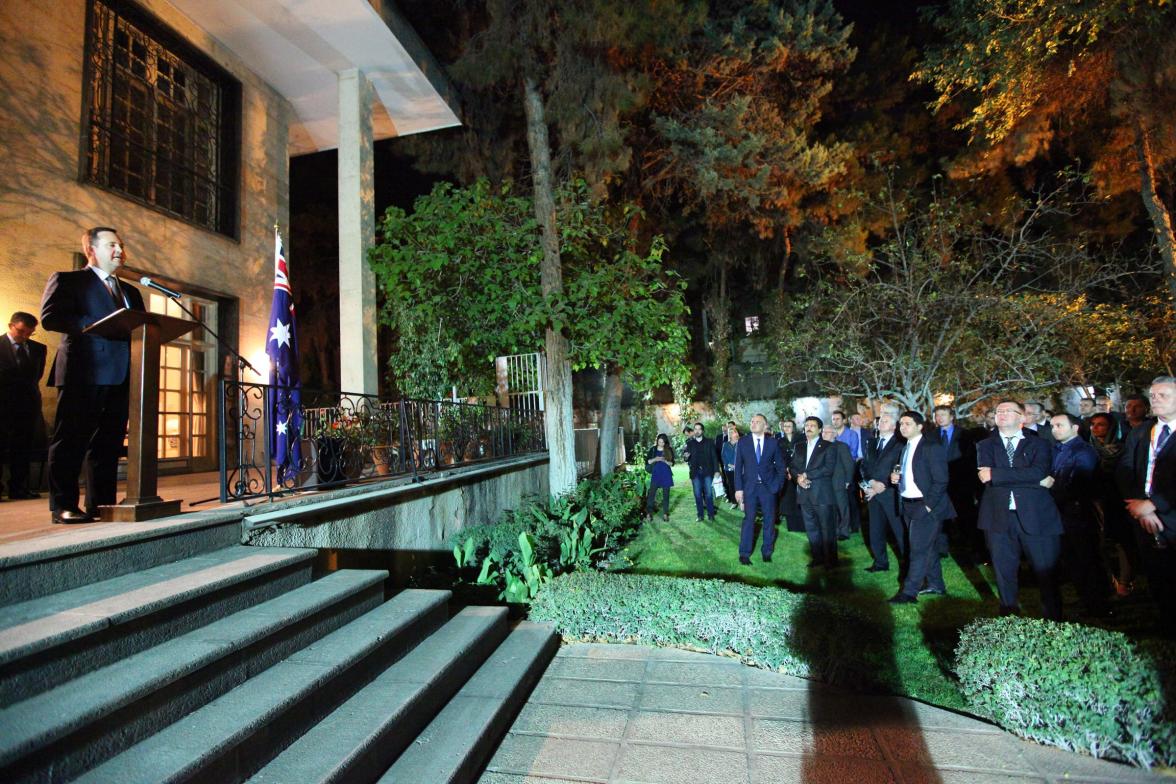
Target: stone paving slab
628,714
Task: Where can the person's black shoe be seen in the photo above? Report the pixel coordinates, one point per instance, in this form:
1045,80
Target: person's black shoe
842,538
699,520
876,568
71,517
711,518
932,592
1006,611
743,559
767,559
902,598
25,496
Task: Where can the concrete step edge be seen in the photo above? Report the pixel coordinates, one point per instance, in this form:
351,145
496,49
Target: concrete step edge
455,746
39,633
358,740
34,723
285,692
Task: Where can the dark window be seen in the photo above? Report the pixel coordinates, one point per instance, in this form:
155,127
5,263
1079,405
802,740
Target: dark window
161,119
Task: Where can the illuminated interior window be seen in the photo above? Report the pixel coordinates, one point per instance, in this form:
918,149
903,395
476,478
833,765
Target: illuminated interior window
187,377
751,324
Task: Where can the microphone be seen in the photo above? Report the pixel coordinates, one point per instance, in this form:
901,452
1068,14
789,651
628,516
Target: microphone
149,283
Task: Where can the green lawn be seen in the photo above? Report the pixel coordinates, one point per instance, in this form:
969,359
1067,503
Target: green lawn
924,635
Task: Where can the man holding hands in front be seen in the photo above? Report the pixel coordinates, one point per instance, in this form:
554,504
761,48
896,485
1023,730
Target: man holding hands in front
759,472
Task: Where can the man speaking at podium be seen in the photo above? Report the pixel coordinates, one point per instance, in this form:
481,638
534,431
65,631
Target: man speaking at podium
92,376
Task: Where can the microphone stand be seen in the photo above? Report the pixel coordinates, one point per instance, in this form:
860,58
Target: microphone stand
241,361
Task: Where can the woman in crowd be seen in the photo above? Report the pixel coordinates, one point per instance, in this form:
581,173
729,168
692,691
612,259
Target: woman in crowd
729,462
659,460
1118,528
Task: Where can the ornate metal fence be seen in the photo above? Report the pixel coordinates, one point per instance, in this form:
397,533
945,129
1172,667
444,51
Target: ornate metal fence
348,438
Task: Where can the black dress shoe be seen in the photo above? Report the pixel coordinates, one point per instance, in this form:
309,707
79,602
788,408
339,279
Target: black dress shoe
71,516
902,598
767,559
743,559
23,496
875,568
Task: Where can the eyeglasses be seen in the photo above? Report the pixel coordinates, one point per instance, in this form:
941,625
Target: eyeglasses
1008,411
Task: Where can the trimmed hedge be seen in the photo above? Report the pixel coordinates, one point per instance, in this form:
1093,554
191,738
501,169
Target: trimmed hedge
771,628
1073,686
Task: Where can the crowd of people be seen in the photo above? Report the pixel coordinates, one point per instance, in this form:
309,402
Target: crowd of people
1088,498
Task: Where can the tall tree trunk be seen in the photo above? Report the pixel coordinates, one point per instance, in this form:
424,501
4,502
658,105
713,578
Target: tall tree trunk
1156,209
719,309
610,418
557,420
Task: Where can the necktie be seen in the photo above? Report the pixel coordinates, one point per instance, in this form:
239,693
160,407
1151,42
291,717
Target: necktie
1162,438
112,285
1010,448
902,471
22,357
943,439
881,445
758,449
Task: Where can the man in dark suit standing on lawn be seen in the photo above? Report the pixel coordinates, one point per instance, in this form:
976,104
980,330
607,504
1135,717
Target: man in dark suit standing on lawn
22,363
1146,475
813,464
921,480
92,376
760,467
1017,513
882,453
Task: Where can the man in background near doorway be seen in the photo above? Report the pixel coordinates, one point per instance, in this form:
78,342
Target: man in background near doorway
22,363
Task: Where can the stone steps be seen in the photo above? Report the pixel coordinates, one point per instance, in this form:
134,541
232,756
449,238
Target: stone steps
66,730
46,641
458,742
166,651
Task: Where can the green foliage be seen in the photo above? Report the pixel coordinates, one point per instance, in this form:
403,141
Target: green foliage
1073,686
797,634
525,548
461,285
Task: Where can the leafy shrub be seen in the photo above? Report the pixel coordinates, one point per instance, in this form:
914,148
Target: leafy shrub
772,628
594,521
1073,686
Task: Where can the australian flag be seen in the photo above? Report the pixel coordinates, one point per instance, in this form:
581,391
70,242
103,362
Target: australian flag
285,394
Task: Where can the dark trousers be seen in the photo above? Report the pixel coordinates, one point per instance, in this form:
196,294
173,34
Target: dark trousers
854,500
704,495
90,426
652,501
1160,565
923,529
1082,562
17,429
843,518
758,499
885,520
820,525
1043,553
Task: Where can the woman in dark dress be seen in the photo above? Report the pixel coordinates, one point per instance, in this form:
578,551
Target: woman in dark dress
786,505
659,460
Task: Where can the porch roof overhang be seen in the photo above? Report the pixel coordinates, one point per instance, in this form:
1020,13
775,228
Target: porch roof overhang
299,47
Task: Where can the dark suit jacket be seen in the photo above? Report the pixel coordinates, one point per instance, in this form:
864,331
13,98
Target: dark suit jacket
878,465
73,301
1131,475
1074,467
844,465
820,470
769,471
20,390
700,457
929,467
1031,463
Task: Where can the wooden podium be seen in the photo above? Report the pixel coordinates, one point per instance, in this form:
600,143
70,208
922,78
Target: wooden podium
147,331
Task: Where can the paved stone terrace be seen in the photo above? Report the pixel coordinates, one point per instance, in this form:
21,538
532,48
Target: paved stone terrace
621,713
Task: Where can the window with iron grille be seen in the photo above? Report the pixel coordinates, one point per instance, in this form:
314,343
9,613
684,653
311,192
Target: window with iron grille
161,119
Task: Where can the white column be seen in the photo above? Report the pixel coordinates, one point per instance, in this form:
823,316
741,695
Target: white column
357,233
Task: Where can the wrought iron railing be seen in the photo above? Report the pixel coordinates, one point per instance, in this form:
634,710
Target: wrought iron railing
347,438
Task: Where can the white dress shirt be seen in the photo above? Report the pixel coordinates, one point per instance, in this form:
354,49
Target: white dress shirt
910,489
